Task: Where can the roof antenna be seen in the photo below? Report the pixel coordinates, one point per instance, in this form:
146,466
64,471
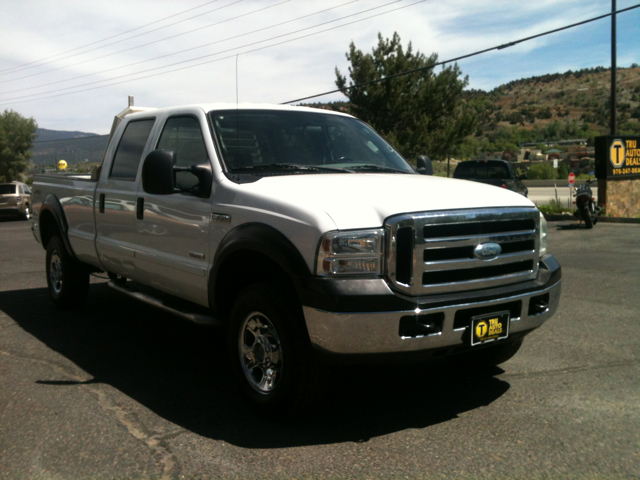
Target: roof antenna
237,112
237,80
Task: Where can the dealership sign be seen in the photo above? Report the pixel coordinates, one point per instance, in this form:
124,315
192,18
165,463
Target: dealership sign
618,157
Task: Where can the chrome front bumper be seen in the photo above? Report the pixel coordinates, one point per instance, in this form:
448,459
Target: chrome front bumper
379,332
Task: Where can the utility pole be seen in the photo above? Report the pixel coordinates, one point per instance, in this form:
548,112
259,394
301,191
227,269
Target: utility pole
613,67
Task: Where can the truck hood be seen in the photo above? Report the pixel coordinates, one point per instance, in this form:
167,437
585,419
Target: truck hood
366,200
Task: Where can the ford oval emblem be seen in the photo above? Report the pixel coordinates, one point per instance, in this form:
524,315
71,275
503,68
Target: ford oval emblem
487,251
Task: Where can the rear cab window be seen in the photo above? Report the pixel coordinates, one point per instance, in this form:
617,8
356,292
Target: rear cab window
129,153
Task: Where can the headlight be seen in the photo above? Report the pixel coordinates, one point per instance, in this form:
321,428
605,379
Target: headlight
543,235
351,253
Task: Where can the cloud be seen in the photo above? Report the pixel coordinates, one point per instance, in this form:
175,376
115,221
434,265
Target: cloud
281,55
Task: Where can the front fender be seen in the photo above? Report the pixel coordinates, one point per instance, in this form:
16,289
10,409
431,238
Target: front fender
249,253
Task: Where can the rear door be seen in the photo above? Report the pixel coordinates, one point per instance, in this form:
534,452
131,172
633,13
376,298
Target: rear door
116,196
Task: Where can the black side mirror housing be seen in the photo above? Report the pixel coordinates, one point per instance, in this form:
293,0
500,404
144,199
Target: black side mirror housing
157,173
205,178
425,167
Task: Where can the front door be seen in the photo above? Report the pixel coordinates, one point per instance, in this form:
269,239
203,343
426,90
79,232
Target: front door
173,233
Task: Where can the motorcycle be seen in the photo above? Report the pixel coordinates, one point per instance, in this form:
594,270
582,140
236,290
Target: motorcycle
586,205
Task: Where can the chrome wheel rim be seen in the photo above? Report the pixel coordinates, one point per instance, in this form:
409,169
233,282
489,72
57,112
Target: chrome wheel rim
55,273
27,213
260,353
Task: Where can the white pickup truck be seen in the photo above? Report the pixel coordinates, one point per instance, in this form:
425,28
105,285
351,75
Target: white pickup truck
306,235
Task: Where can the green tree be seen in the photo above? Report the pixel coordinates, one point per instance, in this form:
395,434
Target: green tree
563,171
16,139
421,112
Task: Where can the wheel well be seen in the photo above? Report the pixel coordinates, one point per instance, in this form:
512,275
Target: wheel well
48,228
241,269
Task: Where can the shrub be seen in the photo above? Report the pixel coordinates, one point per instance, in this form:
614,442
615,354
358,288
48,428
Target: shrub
542,171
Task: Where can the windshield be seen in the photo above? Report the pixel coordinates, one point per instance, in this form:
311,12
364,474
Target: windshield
7,189
287,142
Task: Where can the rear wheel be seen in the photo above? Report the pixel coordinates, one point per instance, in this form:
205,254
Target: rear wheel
67,279
586,216
26,215
271,354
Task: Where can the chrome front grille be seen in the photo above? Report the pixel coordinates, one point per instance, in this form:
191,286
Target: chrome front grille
434,252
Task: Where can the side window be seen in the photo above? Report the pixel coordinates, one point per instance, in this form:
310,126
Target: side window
129,153
183,136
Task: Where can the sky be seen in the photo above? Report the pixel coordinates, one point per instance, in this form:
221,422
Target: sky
71,64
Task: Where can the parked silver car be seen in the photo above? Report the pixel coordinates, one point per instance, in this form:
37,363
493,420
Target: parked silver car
15,199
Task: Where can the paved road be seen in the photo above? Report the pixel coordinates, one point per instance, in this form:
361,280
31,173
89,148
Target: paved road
120,390
544,195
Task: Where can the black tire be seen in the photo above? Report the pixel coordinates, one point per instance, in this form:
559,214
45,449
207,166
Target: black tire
271,355
67,279
490,356
26,215
586,216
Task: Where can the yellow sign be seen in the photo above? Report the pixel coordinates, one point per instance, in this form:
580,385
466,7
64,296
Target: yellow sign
617,153
62,164
481,329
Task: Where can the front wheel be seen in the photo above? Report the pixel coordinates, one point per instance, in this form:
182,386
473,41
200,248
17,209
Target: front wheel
67,279
271,353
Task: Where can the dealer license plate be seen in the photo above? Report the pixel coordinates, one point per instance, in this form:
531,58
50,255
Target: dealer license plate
489,327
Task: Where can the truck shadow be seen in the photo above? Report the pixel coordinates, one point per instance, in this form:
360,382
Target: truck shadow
180,371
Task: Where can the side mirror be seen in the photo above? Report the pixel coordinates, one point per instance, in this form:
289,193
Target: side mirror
205,178
157,173
424,165
523,177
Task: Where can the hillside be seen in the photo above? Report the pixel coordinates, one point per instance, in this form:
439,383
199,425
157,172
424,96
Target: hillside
50,146
558,106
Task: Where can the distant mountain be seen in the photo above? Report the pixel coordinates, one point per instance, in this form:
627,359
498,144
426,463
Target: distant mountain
51,146
45,135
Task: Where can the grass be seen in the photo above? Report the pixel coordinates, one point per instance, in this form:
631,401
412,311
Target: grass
554,207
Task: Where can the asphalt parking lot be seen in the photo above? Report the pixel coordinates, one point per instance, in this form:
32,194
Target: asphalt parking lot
118,389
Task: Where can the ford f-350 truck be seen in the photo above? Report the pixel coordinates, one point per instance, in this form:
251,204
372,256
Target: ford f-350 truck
306,235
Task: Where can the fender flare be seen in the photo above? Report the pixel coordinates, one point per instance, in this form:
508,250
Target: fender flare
263,240
52,206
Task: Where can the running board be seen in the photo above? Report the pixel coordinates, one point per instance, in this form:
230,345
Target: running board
157,302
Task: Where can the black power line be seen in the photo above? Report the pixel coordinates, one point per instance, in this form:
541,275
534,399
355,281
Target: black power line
169,54
213,54
130,48
26,66
499,47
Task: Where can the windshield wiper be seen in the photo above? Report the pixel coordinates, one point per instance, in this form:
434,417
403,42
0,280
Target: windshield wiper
377,168
270,167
